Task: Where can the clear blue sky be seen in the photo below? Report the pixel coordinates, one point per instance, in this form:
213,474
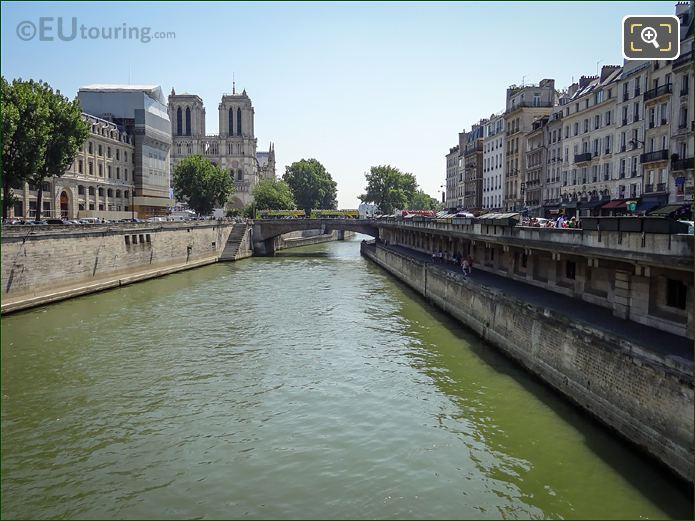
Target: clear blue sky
351,84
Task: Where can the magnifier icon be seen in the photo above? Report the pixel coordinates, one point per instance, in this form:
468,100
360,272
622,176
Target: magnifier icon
648,36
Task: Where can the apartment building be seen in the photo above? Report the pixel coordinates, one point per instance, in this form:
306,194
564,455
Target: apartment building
473,167
550,182
493,163
536,166
588,142
452,161
523,106
681,167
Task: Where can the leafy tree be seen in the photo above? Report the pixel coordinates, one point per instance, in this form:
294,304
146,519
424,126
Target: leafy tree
24,135
423,201
312,186
389,188
273,195
67,131
202,184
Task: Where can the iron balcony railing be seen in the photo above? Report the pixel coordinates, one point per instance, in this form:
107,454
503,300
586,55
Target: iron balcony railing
682,164
651,157
658,91
582,158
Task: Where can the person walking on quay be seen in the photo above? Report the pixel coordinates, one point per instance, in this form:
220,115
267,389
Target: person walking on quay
560,221
465,267
470,264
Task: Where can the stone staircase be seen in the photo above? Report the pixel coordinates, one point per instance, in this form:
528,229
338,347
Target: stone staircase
237,246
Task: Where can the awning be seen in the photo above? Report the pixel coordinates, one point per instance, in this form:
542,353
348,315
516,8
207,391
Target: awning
615,204
592,204
647,205
572,204
669,209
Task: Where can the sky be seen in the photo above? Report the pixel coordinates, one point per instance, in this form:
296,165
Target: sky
353,85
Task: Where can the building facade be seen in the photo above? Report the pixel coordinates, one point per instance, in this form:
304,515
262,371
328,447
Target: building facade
493,163
550,181
473,167
523,106
140,110
232,149
99,183
589,135
452,161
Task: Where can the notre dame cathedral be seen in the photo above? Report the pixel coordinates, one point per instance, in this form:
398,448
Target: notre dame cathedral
233,149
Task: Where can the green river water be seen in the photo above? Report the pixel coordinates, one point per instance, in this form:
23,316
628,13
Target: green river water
311,384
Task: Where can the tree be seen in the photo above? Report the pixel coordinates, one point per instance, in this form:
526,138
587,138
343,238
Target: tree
273,195
312,186
423,201
202,184
389,188
24,135
67,131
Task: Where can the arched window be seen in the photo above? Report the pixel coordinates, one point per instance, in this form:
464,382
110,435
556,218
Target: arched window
126,194
109,192
118,194
80,190
188,121
231,122
179,122
240,175
238,122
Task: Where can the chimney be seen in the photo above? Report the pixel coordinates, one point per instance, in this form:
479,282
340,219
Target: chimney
572,90
607,70
585,80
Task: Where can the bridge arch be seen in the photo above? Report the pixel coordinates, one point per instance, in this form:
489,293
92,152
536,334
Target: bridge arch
266,231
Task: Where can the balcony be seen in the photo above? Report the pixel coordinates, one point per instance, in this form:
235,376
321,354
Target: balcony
657,92
653,157
683,59
582,158
682,164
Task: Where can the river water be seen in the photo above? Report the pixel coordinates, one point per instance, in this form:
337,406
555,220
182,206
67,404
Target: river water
311,384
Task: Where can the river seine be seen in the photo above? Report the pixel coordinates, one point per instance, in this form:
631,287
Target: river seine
306,385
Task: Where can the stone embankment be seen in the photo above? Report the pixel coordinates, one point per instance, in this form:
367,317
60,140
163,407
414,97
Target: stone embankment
633,378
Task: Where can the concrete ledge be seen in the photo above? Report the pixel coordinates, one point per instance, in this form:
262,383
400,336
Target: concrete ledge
26,302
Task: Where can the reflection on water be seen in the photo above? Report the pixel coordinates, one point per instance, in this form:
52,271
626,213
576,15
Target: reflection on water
306,385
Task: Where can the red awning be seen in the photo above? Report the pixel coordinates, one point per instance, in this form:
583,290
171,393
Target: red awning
620,203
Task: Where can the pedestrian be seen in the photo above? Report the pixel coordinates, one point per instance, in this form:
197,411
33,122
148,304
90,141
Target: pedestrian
465,267
470,264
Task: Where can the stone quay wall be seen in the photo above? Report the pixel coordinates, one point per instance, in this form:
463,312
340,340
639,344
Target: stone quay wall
45,264
647,398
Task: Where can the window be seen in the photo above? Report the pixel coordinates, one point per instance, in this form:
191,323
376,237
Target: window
118,194
118,154
109,192
676,293
91,206
90,147
635,111
100,151
230,121
597,121
101,193
101,171
79,166
238,122
684,85
125,174
179,123
108,151
80,190
91,191
108,171
570,270
126,194
118,172
188,121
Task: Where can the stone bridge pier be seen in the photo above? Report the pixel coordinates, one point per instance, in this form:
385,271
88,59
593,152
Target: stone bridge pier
267,232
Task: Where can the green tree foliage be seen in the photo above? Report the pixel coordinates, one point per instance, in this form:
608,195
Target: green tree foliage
202,184
311,185
25,134
423,201
67,131
273,195
389,188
